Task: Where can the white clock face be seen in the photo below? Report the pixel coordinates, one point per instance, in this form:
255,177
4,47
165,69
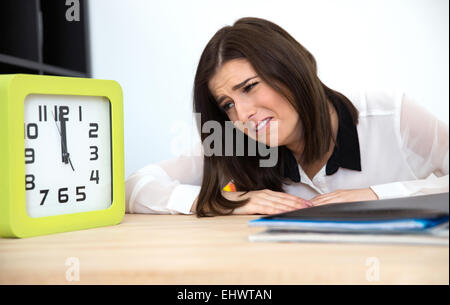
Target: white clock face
67,154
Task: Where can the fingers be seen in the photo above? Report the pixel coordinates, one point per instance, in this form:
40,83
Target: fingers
322,198
271,202
288,199
283,203
277,204
262,206
334,197
272,209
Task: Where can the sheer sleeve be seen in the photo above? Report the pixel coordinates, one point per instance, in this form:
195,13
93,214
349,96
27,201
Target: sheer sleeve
167,187
425,143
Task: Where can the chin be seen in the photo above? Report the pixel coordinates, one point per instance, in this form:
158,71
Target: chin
265,139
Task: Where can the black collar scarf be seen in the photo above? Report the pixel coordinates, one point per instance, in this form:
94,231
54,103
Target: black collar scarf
346,152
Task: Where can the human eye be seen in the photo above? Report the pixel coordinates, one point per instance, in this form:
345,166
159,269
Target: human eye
226,106
249,87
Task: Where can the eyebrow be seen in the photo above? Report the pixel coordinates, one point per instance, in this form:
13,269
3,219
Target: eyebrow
236,87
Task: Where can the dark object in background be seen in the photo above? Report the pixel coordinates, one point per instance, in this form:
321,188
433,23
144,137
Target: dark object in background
36,38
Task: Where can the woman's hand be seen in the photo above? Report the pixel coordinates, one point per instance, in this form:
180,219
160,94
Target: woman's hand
345,196
266,202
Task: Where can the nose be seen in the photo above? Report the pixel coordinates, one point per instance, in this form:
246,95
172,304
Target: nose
244,110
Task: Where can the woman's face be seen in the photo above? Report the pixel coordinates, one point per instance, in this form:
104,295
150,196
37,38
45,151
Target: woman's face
253,106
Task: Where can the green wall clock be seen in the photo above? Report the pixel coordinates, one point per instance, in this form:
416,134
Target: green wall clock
61,154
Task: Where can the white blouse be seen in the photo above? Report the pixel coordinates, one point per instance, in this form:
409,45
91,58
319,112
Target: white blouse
404,151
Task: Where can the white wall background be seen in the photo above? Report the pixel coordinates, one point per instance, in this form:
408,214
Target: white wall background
152,49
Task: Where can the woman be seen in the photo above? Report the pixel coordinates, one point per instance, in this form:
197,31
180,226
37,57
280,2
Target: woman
330,147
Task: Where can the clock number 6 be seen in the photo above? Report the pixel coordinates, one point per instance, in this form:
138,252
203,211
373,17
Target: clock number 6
63,198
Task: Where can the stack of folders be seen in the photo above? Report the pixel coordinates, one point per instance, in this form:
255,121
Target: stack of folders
410,220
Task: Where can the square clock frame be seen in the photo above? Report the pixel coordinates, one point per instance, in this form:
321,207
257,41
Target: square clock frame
74,195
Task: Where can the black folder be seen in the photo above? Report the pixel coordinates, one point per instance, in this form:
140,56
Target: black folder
418,215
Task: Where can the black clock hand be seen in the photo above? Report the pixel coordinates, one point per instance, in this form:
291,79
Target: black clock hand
66,155
71,164
64,152
63,144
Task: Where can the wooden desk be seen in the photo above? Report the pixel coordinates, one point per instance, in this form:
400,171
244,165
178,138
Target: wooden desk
183,249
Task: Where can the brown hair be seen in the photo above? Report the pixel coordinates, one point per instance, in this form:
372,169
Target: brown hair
281,62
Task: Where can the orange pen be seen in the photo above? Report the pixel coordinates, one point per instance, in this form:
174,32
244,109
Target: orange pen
230,187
